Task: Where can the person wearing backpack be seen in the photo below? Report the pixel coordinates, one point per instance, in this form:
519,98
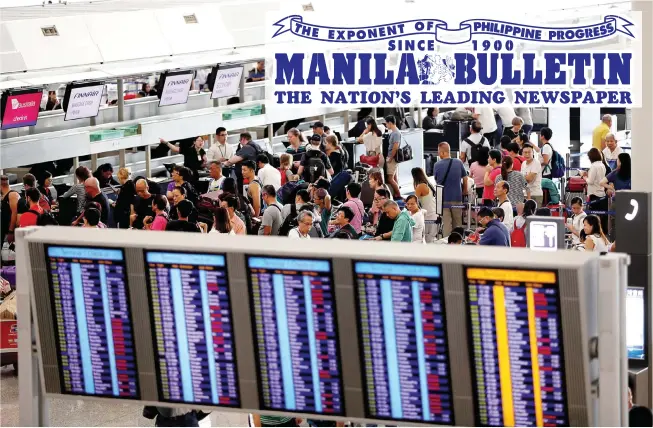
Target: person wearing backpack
314,163
552,163
34,212
470,147
518,234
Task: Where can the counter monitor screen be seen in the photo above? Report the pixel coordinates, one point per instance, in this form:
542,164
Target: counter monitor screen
20,108
404,351
193,328
294,323
82,100
516,347
635,323
95,340
173,87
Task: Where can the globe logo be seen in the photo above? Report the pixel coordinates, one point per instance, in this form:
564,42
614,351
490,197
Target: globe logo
434,69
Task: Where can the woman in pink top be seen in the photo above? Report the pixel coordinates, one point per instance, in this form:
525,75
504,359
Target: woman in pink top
160,220
492,171
477,170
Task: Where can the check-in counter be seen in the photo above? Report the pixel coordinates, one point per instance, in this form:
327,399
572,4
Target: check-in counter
30,149
135,109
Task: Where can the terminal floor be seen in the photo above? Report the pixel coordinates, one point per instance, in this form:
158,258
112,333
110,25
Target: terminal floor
89,413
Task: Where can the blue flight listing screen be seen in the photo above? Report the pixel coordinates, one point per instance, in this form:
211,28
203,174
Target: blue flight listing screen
296,337
193,329
92,321
404,352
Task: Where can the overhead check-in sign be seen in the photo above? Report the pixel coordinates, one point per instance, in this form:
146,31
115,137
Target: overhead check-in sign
82,101
176,88
227,82
446,62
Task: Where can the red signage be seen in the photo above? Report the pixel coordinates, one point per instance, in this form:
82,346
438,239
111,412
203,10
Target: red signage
8,334
21,110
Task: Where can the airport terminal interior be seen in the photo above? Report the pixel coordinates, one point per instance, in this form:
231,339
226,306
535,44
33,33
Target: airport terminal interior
171,250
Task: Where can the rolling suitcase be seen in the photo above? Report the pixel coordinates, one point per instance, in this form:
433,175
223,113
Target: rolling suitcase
575,187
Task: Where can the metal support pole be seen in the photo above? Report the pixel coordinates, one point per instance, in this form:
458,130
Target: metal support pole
148,162
93,162
375,113
419,116
323,118
241,89
122,156
75,163
121,100
270,133
345,115
121,117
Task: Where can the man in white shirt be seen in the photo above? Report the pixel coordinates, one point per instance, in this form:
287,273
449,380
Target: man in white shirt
217,178
532,171
611,151
475,138
507,114
501,193
304,225
485,115
220,151
546,152
269,175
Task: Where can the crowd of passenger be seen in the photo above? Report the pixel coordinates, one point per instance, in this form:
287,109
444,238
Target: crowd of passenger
311,193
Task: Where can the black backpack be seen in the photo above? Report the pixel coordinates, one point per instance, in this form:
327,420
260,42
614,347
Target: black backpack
290,222
475,149
315,167
45,219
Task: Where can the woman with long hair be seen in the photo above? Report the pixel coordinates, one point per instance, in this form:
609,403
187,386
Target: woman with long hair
595,239
426,193
477,170
375,178
221,222
529,208
515,180
593,177
297,142
371,137
619,179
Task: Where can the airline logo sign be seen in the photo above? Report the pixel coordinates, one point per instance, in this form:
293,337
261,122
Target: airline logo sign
227,82
84,102
176,89
453,63
21,110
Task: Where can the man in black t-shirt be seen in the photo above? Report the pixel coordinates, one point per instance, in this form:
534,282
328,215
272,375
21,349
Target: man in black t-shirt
247,152
142,204
94,194
184,210
308,162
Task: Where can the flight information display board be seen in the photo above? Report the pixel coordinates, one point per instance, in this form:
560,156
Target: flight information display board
516,347
404,352
93,326
294,323
193,329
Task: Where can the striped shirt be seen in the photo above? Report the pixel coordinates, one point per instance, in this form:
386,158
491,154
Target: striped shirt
517,184
80,191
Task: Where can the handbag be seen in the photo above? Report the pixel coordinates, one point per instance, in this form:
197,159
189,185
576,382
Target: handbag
404,153
372,161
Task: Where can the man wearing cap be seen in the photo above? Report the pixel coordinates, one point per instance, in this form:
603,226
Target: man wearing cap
390,162
318,129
